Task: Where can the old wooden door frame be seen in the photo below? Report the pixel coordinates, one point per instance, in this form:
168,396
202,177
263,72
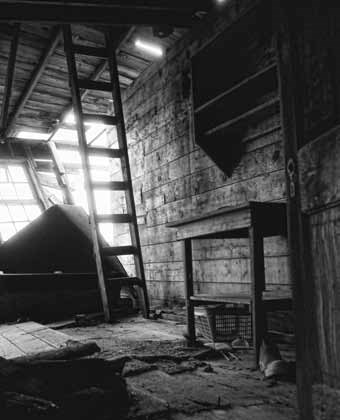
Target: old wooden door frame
291,114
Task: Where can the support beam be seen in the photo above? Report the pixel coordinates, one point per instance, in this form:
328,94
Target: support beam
291,114
9,80
61,174
31,84
107,13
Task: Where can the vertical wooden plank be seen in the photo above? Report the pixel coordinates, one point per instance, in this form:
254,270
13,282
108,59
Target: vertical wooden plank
291,116
60,172
189,290
257,287
32,174
9,80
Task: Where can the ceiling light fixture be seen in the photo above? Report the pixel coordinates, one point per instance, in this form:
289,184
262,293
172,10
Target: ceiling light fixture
150,48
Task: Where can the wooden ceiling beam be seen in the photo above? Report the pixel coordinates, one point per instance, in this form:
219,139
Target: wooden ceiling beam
124,4
104,13
9,80
36,74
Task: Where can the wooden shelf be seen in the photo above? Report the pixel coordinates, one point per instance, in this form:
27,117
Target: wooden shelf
262,110
272,302
251,79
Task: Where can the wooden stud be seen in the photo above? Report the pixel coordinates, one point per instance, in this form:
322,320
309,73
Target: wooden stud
257,288
290,115
109,14
189,290
60,174
31,169
9,80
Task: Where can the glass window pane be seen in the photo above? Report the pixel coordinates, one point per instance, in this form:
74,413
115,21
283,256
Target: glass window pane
17,213
17,173
69,156
3,175
32,211
106,229
7,191
4,214
24,191
98,175
103,201
7,230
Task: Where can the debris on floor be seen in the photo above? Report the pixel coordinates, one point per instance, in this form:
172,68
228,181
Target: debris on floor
134,369
168,380
63,389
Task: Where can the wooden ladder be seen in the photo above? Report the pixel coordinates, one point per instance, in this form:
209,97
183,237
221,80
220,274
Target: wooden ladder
108,53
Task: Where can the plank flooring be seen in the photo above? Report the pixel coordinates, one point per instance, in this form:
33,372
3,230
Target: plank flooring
29,338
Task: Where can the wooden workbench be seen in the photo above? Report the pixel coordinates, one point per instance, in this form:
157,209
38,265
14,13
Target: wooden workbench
253,220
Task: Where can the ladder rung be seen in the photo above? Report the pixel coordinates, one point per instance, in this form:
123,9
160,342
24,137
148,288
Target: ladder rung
113,218
119,250
100,118
110,185
93,51
126,281
104,151
94,85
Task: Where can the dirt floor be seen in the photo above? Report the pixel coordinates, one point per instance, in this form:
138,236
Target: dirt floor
167,380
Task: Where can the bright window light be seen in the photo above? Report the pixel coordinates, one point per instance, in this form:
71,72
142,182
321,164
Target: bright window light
32,135
150,48
17,203
69,156
63,134
70,119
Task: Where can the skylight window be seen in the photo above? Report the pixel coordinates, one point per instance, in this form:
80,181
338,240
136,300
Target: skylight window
65,135
150,48
32,135
17,203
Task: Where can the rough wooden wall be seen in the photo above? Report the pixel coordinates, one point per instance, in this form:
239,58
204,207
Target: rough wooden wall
173,178
319,159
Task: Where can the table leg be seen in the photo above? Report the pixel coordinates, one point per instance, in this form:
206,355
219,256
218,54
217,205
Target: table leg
189,290
257,288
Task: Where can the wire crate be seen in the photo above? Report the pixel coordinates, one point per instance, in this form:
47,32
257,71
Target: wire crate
220,323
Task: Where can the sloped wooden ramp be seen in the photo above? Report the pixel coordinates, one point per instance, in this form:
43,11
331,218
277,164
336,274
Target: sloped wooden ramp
29,338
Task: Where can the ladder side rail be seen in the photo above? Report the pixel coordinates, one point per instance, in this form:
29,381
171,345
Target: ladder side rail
122,141
77,109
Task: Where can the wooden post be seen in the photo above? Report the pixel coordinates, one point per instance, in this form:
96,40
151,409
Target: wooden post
9,80
31,170
60,173
257,288
291,116
189,290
